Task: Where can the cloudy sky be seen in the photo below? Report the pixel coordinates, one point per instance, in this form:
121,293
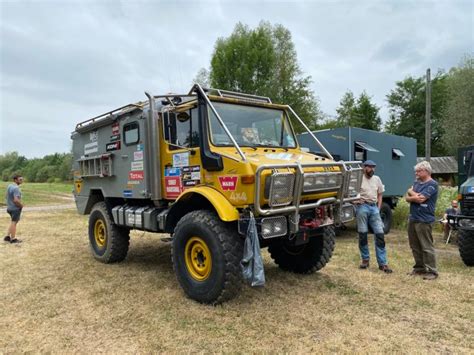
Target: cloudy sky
65,61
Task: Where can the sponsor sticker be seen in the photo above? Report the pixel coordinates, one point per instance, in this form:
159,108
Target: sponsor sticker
135,182
115,128
172,172
138,155
173,186
127,193
190,183
112,146
228,183
137,165
140,147
115,137
136,175
180,160
280,156
93,136
91,148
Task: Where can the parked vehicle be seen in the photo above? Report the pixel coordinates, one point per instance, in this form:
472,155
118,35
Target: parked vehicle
395,157
464,221
201,166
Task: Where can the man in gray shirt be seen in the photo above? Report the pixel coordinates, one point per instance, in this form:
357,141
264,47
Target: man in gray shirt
14,207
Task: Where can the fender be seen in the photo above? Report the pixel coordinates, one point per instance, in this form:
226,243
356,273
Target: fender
224,208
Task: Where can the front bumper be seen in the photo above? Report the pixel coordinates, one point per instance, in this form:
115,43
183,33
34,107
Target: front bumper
461,222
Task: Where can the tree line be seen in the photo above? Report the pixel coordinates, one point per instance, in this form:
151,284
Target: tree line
263,61
51,168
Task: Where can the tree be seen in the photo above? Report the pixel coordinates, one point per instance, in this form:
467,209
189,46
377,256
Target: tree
361,113
458,113
202,78
263,61
407,106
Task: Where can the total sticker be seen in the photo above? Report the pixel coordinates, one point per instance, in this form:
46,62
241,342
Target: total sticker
136,175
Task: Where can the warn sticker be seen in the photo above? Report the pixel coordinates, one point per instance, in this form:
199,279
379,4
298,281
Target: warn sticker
228,183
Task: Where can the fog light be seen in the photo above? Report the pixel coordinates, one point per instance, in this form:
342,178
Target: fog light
274,227
466,223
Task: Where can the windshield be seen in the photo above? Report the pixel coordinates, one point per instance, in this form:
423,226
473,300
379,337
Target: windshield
251,126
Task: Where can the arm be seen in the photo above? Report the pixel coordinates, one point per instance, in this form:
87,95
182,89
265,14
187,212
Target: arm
17,201
416,197
379,200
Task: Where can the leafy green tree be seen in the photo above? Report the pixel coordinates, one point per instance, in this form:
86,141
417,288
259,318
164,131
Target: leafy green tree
458,113
11,163
407,106
263,61
360,113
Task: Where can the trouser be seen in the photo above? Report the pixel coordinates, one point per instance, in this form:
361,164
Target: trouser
420,238
370,215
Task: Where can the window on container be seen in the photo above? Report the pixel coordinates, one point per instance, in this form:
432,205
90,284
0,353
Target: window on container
361,149
397,154
131,133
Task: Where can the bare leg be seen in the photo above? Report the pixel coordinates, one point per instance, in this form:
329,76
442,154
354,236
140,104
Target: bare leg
12,230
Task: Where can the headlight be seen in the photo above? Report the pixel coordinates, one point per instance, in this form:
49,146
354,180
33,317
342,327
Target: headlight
355,180
281,189
466,223
274,227
321,181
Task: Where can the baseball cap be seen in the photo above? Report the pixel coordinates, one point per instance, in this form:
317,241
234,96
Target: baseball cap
369,163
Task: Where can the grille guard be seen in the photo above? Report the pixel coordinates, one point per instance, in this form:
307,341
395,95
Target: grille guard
296,206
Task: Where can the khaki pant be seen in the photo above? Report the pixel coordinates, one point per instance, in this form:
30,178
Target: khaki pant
421,243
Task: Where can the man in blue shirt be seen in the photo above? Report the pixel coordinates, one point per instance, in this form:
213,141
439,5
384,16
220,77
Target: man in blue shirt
14,207
422,197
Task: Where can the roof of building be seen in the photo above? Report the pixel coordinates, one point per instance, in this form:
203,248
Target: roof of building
442,165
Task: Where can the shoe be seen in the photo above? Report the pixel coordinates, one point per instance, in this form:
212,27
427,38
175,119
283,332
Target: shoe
6,239
15,241
430,276
416,273
364,264
385,269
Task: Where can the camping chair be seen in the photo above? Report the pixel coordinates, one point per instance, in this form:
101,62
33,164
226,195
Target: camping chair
452,228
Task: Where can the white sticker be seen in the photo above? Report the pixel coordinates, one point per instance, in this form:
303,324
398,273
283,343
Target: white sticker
138,155
93,136
281,156
180,160
133,182
91,148
196,175
137,165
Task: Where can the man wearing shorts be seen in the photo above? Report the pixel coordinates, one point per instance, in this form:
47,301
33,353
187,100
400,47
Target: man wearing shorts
14,207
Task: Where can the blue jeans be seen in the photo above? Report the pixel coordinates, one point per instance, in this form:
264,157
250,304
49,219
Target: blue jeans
370,215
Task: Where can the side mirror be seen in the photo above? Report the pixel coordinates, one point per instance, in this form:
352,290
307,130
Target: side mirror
182,116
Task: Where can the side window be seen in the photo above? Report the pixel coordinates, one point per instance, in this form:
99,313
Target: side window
182,129
131,133
359,153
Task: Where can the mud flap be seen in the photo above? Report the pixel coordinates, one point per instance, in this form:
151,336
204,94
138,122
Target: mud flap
252,263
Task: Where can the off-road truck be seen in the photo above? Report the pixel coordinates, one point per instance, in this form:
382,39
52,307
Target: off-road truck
200,166
464,221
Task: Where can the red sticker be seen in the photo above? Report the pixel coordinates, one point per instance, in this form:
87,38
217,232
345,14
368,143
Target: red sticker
228,183
136,175
115,128
172,186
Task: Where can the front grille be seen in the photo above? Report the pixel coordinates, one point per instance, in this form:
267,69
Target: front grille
467,205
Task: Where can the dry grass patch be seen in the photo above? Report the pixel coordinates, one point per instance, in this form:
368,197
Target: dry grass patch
61,300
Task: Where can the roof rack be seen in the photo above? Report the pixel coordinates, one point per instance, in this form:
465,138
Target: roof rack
239,95
96,119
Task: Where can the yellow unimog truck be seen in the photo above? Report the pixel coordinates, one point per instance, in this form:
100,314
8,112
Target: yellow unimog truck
201,166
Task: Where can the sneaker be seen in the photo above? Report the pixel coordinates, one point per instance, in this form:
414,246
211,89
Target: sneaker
6,239
430,276
15,241
385,269
364,264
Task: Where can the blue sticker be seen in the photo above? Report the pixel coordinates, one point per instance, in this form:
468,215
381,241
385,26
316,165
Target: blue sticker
139,147
127,193
172,172
470,189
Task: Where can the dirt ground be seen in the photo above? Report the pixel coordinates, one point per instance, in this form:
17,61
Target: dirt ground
57,298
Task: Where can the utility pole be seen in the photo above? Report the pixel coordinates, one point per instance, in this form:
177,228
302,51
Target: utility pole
428,116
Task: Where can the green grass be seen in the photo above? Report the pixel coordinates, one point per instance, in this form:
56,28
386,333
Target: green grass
36,194
445,196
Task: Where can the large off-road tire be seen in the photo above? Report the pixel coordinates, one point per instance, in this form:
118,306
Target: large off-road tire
108,242
386,216
306,258
466,247
206,256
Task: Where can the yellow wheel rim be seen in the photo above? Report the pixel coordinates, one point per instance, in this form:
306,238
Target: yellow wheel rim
100,233
198,259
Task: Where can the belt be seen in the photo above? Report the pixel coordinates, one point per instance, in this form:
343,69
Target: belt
370,203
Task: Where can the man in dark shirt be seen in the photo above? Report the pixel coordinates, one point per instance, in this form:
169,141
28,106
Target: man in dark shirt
422,197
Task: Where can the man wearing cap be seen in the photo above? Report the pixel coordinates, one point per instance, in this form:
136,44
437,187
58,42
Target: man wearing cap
368,214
